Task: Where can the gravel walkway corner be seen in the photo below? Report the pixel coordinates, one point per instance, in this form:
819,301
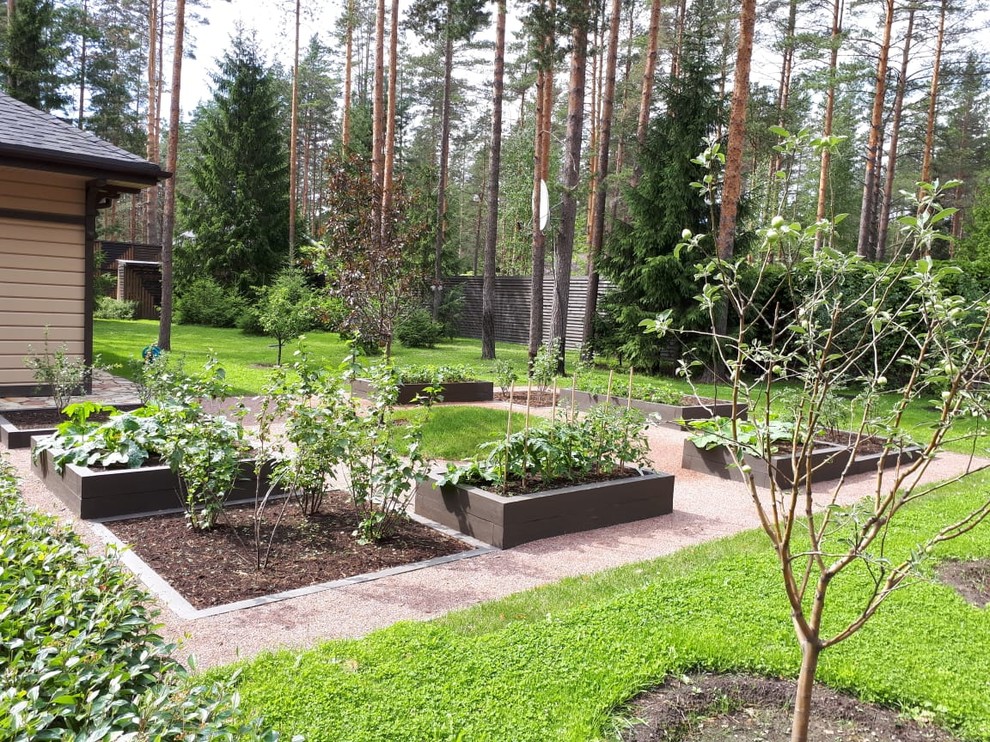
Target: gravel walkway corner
705,508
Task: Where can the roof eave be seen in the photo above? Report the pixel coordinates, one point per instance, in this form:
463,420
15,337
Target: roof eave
139,174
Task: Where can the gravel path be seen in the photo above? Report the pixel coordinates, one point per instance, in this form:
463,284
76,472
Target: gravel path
705,508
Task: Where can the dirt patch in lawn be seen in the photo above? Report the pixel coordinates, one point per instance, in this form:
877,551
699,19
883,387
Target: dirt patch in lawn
218,567
970,579
718,708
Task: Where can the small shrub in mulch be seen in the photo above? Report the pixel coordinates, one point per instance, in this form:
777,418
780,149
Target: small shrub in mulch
706,708
970,579
216,567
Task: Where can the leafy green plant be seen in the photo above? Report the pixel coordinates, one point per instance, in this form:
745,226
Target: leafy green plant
63,375
206,302
437,375
108,307
744,436
505,375
419,330
80,657
544,368
285,308
600,443
382,462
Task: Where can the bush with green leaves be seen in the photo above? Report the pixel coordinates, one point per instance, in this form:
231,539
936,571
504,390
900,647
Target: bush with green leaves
108,307
419,330
544,369
80,658
206,302
285,308
505,375
440,374
383,462
60,373
601,443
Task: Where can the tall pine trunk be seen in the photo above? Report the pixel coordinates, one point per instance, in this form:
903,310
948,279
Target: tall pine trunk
494,171
393,76
569,181
601,189
926,162
867,217
151,234
895,129
826,157
345,116
378,103
294,146
440,236
646,91
168,236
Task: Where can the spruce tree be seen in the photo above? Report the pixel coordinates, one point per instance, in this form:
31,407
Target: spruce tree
639,255
32,44
237,209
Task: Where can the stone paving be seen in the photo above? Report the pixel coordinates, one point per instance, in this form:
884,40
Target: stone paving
107,388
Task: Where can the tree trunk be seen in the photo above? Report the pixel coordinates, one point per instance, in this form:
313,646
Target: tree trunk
541,170
494,169
646,91
448,73
294,146
570,180
345,123
810,652
675,57
168,236
837,8
926,162
393,76
154,100
895,126
378,102
732,187
868,211
783,98
601,189
82,63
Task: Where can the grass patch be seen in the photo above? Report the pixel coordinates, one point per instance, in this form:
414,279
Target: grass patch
248,360
455,433
553,663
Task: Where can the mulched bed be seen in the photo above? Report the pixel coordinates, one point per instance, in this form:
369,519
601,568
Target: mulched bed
44,418
536,399
710,708
970,579
218,567
868,444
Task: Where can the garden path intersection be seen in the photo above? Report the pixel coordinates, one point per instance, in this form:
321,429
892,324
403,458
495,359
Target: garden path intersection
705,508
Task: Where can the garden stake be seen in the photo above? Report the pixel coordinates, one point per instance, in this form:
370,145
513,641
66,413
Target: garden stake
629,390
553,400
508,433
529,392
573,390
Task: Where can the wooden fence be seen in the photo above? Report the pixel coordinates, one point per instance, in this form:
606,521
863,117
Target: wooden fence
138,270
512,295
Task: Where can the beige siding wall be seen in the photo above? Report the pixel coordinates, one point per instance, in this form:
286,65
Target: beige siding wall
42,270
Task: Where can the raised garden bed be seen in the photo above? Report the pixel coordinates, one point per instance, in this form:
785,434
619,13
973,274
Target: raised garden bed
670,414
510,521
17,427
827,461
455,391
108,493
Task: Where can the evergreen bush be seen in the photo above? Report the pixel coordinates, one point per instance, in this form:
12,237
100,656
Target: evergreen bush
205,302
107,307
418,330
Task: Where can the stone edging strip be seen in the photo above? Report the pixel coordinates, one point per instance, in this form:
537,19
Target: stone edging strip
183,609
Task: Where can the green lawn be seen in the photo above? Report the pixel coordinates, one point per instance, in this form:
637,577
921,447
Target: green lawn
248,360
554,663
456,433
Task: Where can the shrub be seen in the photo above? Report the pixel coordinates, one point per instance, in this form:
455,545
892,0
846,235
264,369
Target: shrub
205,302
505,375
250,322
418,330
544,369
284,308
64,375
107,307
80,658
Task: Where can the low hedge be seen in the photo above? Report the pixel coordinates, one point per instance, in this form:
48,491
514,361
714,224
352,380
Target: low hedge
79,656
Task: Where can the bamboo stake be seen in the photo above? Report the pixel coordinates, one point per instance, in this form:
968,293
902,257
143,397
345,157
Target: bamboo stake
529,393
508,432
573,389
553,403
629,390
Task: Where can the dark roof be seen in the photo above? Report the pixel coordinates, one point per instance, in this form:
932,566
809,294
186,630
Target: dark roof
30,138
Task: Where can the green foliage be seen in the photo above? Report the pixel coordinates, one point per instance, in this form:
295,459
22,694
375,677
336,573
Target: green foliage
107,307
205,302
419,330
543,371
505,374
237,209
383,463
80,658
33,42
640,257
285,308
61,374
436,375
602,442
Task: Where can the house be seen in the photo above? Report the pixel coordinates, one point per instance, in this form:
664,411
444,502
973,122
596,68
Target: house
53,180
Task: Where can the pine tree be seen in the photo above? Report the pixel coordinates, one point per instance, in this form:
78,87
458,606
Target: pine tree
34,40
639,255
239,213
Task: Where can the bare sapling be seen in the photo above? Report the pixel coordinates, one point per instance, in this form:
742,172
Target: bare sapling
897,333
